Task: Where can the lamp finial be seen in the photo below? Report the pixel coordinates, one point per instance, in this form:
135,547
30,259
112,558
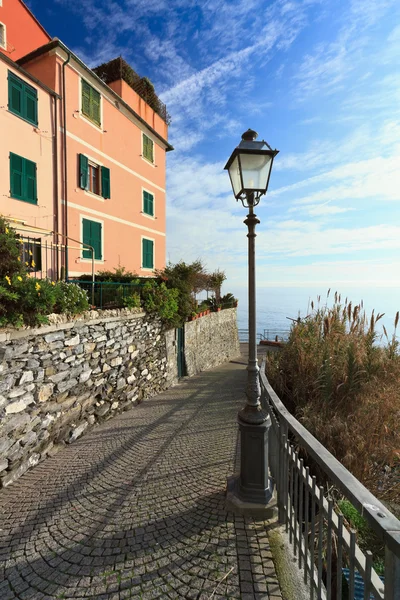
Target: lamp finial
250,135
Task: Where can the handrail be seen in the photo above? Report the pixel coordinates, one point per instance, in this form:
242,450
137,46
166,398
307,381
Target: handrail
384,523
297,491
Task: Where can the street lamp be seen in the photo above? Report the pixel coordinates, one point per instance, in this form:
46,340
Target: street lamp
249,169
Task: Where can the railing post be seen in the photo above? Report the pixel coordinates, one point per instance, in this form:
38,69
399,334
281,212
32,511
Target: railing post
392,574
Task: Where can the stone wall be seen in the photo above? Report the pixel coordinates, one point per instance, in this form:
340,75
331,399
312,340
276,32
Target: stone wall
211,341
57,381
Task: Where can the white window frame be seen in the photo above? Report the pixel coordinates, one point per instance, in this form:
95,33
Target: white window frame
153,216
84,117
147,161
145,237
98,261
4,45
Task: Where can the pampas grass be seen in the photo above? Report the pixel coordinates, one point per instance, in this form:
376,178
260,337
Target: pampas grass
344,387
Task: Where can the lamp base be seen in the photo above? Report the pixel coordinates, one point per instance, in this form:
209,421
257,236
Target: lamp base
263,510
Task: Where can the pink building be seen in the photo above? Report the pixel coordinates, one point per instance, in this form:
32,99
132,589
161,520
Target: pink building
92,156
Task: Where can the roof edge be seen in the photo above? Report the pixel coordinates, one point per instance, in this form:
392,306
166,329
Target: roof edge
34,79
56,43
33,17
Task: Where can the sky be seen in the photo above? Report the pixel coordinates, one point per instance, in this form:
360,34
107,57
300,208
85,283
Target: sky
317,79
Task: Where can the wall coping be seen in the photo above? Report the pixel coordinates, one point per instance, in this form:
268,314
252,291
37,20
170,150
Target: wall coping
17,334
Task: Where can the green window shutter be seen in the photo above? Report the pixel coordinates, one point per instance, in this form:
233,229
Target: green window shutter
22,99
87,237
91,102
148,203
16,176
91,233
147,251
96,240
105,183
30,181
15,93
31,105
85,98
83,172
147,148
95,106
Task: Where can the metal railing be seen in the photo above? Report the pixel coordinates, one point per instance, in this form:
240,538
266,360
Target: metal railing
322,543
108,294
280,335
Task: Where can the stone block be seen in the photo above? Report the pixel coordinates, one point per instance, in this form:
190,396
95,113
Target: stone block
50,371
74,341
59,376
85,376
121,383
131,379
54,337
115,362
56,346
20,404
106,368
29,438
5,444
16,473
90,347
77,432
16,392
45,391
3,464
67,385
101,411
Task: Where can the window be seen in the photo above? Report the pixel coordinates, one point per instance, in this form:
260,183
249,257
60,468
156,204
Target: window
3,38
148,203
22,179
92,235
148,148
22,99
147,254
94,178
91,103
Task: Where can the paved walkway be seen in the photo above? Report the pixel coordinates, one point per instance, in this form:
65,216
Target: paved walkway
136,508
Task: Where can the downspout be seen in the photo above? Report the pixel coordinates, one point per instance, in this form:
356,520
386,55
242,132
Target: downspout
65,164
55,169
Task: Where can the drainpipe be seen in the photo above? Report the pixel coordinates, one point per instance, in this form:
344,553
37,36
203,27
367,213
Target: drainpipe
64,99
55,171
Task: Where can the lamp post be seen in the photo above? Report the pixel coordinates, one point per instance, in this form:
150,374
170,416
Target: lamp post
249,169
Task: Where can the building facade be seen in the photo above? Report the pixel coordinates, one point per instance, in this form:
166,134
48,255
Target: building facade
98,149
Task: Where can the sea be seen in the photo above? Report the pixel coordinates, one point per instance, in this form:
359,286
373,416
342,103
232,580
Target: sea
276,306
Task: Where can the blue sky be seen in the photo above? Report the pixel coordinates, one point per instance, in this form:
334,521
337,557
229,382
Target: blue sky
318,79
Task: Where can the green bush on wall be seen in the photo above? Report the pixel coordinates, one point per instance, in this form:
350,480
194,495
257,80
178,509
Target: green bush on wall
25,300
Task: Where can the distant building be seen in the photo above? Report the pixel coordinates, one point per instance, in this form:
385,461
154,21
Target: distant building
83,163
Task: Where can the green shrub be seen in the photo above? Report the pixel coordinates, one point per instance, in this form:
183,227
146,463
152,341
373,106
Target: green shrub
118,275
132,301
70,298
159,299
10,255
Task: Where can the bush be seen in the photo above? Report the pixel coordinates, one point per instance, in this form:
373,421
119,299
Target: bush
70,298
118,275
10,256
158,299
132,301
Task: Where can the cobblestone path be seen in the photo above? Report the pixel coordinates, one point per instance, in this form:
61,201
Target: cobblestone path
136,508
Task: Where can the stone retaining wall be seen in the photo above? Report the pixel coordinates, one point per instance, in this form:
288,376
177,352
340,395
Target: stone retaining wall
211,341
58,381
